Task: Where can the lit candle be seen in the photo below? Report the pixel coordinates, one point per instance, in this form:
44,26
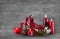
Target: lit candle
52,26
46,20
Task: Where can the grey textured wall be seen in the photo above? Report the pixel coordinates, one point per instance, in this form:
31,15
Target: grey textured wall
12,12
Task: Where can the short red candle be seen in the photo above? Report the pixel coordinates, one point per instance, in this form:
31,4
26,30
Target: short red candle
52,26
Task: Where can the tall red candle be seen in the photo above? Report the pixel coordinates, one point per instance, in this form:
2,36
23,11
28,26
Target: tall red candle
46,20
52,26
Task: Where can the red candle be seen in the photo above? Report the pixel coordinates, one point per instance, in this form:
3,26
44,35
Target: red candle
52,26
46,20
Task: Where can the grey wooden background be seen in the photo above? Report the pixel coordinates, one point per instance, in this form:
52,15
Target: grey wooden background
12,12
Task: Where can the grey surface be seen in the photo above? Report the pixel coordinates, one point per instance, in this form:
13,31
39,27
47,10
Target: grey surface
12,12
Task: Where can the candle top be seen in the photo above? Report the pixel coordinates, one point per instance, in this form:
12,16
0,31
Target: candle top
51,20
